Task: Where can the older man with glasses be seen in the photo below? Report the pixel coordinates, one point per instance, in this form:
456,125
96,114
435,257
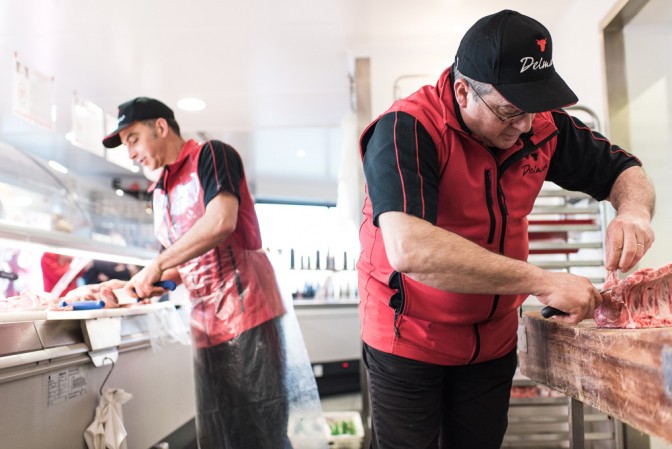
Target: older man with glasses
452,171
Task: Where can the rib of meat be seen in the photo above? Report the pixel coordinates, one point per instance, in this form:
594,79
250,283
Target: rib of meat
640,300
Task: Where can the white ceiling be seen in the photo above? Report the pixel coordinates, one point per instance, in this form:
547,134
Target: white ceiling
261,65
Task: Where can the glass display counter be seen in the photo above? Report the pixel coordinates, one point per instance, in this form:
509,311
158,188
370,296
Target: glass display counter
54,365
42,211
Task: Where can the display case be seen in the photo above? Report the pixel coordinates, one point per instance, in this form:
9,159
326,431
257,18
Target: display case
55,365
42,211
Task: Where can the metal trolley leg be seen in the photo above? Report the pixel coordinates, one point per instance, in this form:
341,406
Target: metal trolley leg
576,424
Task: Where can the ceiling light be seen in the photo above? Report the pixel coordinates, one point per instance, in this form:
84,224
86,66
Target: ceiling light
58,167
191,104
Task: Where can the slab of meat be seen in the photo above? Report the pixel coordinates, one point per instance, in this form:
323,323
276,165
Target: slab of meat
640,300
95,292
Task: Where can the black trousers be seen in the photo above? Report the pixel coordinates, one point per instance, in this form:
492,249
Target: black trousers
424,406
241,397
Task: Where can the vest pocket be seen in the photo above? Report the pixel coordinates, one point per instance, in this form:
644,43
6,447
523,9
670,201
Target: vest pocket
397,300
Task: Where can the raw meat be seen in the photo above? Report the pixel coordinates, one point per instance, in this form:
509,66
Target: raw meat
640,300
96,292
26,301
33,301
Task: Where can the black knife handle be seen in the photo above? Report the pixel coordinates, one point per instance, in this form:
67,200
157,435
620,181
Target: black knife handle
8,275
549,311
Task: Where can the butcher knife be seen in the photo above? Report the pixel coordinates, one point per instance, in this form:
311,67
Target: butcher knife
125,298
549,311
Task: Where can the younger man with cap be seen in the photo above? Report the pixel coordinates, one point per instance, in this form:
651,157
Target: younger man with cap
205,220
452,172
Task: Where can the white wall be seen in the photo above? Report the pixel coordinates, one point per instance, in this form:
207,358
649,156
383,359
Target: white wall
649,76
574,26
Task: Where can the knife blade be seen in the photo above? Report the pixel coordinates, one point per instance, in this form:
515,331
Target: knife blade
549,311
125,298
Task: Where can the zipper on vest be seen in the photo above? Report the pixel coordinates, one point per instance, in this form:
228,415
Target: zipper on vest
490,203
397,300
501,200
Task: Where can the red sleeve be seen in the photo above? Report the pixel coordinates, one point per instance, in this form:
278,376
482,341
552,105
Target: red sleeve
52,270
54,267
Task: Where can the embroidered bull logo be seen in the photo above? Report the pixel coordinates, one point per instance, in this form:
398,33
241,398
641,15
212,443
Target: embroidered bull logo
542,44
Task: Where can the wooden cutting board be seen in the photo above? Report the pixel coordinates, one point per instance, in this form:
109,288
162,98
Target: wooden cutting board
625,373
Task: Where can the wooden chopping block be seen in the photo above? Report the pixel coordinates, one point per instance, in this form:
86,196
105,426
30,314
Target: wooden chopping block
625,373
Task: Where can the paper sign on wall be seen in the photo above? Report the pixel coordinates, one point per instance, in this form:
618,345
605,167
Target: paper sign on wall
33,96
88,126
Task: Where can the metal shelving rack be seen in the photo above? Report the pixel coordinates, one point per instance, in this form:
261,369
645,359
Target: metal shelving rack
566,231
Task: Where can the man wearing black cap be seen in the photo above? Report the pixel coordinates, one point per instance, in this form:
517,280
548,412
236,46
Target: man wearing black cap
206,222
452,171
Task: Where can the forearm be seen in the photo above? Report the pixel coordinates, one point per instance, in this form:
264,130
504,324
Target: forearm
629,235
202,237
633,192
446,261
218,222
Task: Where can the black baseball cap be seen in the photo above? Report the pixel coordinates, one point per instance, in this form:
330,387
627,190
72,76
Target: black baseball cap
514,53
141,108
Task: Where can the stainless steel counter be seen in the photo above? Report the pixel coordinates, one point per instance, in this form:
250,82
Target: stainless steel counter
330,329
52,370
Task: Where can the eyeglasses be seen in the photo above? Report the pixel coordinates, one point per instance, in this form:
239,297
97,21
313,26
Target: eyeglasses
502,119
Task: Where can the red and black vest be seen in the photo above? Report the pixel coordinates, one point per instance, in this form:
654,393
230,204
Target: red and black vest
484,196
232,287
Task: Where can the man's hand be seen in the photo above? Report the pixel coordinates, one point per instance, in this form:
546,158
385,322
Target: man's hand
142,284
572,294
629,237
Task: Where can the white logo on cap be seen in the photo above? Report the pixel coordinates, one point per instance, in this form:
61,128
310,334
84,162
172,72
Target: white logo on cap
529,62
121,119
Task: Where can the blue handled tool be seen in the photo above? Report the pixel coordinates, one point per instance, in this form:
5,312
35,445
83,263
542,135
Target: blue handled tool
168,285
125,298
83,305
